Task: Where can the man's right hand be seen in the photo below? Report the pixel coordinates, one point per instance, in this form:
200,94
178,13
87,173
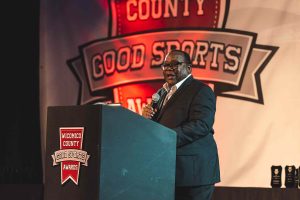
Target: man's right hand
148,111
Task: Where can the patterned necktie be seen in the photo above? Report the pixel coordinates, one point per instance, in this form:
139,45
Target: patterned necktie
170,93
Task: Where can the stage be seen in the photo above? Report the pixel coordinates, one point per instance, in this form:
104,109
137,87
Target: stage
35,192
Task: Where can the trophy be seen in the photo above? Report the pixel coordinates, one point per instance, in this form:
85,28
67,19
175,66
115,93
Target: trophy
290,176
276,171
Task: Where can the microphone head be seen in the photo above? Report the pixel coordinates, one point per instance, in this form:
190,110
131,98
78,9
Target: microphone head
155,98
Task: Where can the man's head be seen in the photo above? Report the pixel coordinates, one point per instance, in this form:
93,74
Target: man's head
176,66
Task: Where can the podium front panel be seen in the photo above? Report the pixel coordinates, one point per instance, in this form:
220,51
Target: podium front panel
122,156
89,118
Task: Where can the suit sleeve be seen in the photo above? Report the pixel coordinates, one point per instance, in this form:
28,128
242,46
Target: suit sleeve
201,118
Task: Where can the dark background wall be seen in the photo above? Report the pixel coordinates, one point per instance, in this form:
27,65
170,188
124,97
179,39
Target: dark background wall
20,146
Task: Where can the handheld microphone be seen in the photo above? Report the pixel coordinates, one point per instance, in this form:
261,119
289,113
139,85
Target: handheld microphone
155,99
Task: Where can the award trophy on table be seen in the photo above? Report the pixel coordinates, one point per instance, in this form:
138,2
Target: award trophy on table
290,176
276,171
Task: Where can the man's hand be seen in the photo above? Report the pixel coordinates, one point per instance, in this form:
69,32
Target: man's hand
148,111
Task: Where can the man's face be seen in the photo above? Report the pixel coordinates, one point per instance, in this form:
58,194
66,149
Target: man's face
180,71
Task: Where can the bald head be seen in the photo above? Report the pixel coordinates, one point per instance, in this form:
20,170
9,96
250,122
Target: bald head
184,56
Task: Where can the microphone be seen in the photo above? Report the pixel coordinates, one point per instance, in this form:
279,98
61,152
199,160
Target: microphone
155,99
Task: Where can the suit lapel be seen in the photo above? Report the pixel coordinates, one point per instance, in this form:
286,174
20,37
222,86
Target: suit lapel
162,93
175,96
162,98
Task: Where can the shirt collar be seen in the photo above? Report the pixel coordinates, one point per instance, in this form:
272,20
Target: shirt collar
177,85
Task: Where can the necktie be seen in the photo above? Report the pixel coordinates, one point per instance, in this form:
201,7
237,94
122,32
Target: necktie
170,93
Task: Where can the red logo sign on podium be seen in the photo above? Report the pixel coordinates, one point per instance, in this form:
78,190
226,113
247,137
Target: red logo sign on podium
70,154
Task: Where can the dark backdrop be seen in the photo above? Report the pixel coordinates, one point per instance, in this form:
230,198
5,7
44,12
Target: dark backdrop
20,146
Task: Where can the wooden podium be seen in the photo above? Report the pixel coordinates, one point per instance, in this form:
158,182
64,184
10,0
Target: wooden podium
107,152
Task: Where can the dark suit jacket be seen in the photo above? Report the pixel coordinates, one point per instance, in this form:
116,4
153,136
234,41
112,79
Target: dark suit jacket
190,112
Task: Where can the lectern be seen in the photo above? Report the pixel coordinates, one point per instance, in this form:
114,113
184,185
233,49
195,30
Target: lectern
103,152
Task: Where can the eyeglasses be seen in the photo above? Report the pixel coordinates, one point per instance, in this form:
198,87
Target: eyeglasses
171,66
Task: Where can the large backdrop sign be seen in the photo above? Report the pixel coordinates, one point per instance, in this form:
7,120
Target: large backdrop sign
111,51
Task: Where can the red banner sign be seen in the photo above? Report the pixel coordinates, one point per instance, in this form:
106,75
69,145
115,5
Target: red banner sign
70,154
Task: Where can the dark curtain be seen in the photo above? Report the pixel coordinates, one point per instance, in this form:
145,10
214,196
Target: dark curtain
20,145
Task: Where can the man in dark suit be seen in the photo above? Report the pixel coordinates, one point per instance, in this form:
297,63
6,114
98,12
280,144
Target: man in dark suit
188,107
